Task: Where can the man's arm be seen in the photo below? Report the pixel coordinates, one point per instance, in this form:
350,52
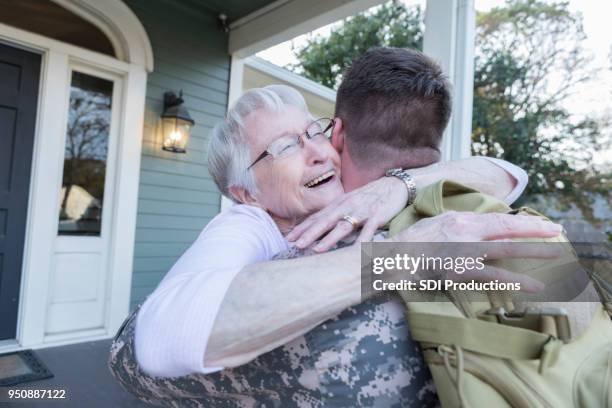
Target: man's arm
497,178
271,303
376,203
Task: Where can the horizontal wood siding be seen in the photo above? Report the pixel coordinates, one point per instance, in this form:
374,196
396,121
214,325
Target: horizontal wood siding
177,197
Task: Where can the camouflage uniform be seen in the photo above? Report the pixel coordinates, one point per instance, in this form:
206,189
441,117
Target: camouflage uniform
364,357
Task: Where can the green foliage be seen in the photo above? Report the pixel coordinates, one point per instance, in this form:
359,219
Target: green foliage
529,58
324,59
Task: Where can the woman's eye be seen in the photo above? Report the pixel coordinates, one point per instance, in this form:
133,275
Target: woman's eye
285,148
317,136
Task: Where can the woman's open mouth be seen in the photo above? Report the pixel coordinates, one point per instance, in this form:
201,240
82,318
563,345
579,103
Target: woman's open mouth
321,180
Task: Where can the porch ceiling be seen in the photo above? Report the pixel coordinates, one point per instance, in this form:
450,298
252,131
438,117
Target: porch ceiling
259,24
233,9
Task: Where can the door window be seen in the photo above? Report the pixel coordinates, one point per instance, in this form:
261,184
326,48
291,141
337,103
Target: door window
85,157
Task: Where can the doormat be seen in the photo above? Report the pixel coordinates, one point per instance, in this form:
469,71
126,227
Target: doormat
20,367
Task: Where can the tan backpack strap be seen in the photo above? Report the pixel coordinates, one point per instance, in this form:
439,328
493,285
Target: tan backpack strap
483,337
604,290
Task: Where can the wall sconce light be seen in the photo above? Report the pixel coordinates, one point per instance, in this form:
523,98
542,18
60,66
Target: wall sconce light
176,123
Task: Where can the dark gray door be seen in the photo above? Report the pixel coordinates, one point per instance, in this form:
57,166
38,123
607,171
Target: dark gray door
19,74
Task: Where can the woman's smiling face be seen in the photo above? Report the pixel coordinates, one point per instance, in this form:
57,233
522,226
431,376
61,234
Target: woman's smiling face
294,185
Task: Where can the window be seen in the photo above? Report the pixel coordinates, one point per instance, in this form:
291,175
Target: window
85,155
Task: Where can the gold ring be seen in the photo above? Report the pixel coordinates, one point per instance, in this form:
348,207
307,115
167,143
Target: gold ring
351,221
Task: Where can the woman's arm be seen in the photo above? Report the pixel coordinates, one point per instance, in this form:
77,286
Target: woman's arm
175,321
271,303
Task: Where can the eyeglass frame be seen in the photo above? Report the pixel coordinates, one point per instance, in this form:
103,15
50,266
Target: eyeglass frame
266,153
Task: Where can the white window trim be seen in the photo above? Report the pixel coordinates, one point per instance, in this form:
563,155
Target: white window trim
42,220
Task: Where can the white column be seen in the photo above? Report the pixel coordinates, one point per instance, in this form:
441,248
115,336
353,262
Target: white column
449,38
236,79
235,90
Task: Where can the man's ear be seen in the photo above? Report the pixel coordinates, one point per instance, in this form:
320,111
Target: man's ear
241,195
337,137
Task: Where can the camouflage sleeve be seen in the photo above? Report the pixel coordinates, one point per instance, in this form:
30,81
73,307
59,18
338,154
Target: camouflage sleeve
362,358
280,378
266,380
238,387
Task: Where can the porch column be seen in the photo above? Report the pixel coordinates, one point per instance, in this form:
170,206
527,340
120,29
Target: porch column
234,92
449,38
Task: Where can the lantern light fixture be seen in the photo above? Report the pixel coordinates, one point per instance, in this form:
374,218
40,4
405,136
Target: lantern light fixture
176,123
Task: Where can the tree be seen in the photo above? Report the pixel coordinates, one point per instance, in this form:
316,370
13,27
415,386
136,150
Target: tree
324,59
529,59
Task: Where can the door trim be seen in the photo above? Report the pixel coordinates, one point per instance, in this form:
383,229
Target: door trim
123,29
46,176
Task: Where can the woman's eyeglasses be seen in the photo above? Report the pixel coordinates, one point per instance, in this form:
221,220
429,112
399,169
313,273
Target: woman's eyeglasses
317,131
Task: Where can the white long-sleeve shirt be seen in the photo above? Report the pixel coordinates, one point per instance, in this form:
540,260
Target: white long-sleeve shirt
175,322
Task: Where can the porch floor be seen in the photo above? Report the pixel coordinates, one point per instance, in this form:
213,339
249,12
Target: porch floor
81,370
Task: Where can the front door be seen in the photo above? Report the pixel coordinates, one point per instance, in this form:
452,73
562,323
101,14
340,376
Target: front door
19,75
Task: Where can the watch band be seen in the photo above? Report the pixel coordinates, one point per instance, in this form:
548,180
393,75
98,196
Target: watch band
408,181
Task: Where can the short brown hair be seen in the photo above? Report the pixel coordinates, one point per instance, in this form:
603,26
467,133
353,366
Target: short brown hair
393,98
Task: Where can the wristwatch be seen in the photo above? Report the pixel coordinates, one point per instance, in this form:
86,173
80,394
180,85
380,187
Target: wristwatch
408,181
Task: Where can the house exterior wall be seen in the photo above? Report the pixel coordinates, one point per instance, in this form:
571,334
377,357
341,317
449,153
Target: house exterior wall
177,196
319,106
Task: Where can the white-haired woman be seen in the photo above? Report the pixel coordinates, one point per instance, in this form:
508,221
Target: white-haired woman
275,161
269,153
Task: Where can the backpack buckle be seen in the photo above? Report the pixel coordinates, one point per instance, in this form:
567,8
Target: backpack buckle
553,321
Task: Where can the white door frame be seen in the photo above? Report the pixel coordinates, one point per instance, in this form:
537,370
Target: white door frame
47,169
77,301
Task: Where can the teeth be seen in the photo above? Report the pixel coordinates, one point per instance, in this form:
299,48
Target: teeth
319,179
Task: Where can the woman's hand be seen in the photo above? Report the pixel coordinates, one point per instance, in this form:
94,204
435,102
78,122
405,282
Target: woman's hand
372,206
455,226
490,233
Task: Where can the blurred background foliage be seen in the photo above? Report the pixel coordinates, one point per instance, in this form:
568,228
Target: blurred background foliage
529,59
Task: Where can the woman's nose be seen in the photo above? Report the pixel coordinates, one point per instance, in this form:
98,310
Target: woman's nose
315,152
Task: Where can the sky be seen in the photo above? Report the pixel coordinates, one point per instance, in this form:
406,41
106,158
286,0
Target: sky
594,97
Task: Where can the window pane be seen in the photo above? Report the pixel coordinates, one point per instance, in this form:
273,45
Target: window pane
82,195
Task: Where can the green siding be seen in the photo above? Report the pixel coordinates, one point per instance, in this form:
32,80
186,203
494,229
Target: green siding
177,197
